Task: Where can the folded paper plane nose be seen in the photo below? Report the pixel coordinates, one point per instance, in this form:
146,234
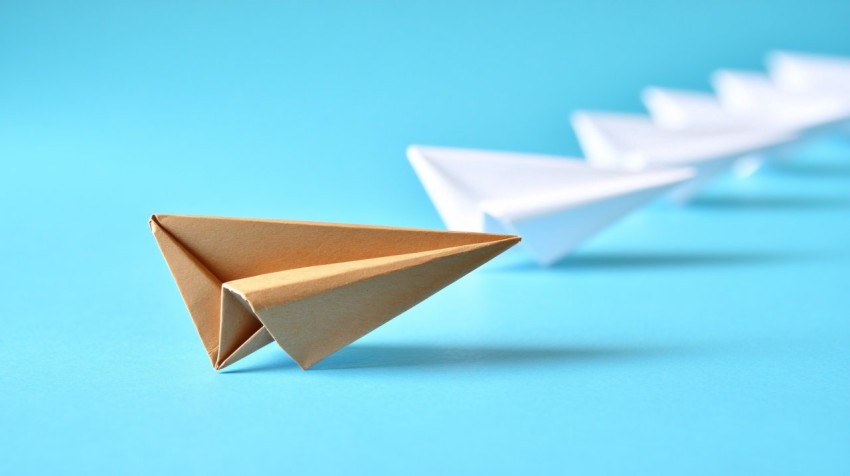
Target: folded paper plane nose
311,287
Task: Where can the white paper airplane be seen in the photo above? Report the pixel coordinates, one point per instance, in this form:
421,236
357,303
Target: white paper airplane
808,73
681,110
755,95
634,142
811,74
554,203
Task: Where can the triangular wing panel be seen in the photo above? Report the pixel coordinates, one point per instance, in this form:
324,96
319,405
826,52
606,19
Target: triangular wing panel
327,307
552,236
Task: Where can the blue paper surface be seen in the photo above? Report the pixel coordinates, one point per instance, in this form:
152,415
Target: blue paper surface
711,339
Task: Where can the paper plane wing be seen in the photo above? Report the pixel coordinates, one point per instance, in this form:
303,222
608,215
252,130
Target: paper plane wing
555,203
311,287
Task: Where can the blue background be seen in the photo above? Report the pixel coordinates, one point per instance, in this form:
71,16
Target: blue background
706,340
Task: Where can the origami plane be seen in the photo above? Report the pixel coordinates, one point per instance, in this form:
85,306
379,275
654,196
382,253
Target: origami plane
824,76
634,142
695,111
311,287
755,95
554,203
682,110
808,73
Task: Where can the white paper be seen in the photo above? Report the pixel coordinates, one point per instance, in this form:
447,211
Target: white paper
554,203
808,73
634,142
682,110
756,96
696,111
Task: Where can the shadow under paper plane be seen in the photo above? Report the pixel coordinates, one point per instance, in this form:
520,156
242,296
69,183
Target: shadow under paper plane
638,261
767,203
812,170
446,356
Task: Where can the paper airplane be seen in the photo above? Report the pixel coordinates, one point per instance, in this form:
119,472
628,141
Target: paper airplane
682,110
756,96
808,73
695,111
824,76
311,287
554,203
634,142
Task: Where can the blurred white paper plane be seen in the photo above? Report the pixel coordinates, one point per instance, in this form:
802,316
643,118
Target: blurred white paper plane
804,73
554,203
681,110
809,73
634,142
755,95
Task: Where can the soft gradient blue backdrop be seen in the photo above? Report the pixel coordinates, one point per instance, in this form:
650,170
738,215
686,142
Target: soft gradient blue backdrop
706,340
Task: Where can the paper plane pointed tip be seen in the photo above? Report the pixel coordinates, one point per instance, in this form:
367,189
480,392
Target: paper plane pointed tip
157,220
153,222
415,153
513,239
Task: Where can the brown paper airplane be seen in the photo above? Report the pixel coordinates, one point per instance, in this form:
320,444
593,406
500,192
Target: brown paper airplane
311,287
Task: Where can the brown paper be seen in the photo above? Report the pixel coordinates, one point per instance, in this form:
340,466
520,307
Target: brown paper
311,287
